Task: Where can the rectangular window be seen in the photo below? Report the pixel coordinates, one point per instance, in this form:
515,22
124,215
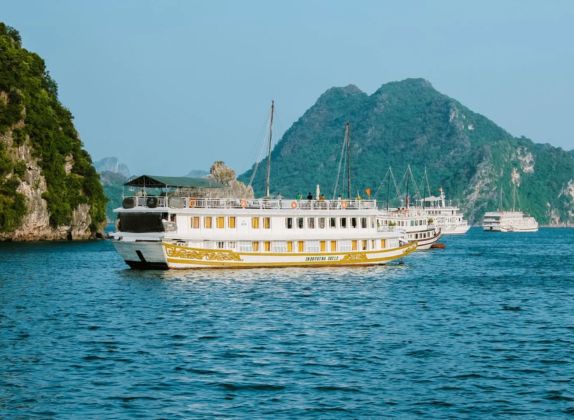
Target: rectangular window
220,222
311,222
354,245
289,223
345,246
300,246
231,245
372,222
363,222
300,222
267,246
364,245
323,246
312,246
220,245
321,223
333,246
231,222
343,222
195,222
266,223
245,246
255,222
372,244
279,246
255,246
382,244
207,221
290,246
353,222
333,222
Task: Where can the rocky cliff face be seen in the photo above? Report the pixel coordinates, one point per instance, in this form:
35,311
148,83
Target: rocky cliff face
49,189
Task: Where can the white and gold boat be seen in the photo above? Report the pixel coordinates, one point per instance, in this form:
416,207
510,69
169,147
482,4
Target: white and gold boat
174,231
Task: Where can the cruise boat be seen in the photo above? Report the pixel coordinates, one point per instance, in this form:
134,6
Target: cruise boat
416,224
448,218
509,221
182,227
189,226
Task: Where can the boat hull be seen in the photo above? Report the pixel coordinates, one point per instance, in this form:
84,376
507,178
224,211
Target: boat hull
142,254
182,257
424,244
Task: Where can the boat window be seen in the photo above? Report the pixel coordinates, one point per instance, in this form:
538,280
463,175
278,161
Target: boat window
333,222
220,222
290,246
353,222
343,222
363,222
312,246
289,223
300,246
266,223
364,245
311,222
255,222
300,222
382,243
345,246
279,246
321,223
245,246
372,222
333,246
207,222
195,222
231,245
140,222
220,245
267,245
231,222
255,246
354,245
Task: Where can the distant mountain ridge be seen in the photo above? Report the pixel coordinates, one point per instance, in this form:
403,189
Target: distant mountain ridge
409,122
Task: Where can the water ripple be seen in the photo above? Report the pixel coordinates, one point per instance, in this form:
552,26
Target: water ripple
480,329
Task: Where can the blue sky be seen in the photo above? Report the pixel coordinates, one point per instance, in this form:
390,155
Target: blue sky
169,86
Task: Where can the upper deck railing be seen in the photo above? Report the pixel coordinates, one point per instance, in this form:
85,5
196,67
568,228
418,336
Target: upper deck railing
236,203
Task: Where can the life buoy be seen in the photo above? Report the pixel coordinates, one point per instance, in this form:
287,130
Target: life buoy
293,204
191,203
344,204
243,203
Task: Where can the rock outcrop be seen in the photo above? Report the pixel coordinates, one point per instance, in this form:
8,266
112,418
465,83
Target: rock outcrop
49,189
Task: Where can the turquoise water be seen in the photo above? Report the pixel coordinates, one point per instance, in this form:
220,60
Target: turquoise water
484,328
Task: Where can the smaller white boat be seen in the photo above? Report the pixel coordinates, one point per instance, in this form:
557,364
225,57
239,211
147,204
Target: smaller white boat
448,218
415,224
509,221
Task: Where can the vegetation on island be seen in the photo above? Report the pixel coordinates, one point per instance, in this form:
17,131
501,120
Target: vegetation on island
30,113
410,123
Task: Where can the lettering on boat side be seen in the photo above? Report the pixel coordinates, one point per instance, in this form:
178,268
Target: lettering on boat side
330,258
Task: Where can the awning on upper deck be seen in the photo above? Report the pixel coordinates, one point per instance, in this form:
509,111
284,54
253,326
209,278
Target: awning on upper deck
150,181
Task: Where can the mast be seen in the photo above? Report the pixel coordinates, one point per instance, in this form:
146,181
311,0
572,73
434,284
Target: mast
267,178
513,196
388,188
407,195
348,144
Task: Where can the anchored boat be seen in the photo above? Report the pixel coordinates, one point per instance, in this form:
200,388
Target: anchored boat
186,230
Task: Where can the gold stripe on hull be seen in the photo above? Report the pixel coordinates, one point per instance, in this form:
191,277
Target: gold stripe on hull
184,257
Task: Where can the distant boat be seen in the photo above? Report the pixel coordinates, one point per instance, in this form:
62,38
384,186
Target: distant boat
509,221
448,218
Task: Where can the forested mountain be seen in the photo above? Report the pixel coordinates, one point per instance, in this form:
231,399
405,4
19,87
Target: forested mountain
409,122
49,188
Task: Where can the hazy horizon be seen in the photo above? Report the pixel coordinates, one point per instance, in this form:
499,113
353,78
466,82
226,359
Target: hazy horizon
172,86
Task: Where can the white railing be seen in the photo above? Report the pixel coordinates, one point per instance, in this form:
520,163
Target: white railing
236,203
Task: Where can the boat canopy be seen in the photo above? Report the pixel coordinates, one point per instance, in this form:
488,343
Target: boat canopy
150,181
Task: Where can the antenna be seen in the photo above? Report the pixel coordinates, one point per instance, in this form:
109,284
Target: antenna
267,178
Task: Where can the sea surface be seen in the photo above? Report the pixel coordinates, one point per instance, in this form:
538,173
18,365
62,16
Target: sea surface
481,329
